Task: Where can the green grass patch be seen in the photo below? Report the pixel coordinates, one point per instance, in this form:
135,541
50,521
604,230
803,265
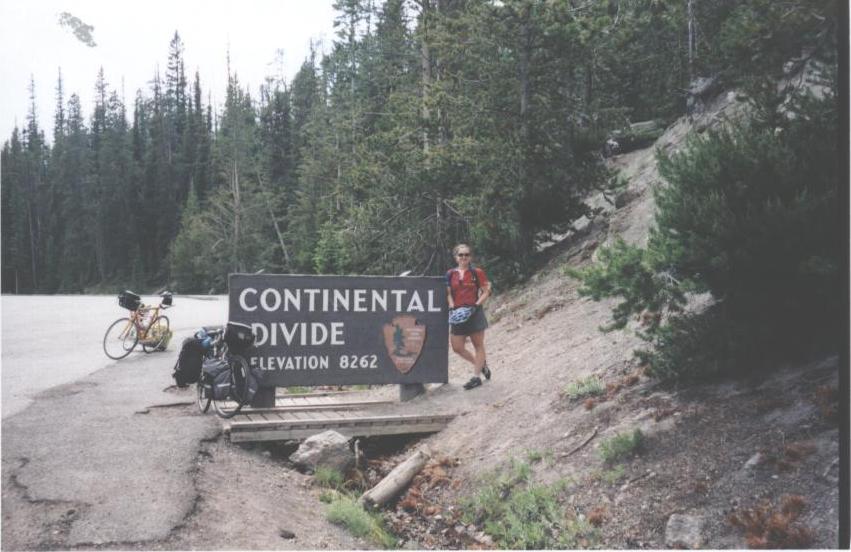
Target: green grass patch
621,445
360,523
520,515
613,475
328,477
329,495
533,456
297,390
588,387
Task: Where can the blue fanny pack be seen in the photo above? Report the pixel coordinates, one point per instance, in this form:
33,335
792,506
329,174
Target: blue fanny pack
460,315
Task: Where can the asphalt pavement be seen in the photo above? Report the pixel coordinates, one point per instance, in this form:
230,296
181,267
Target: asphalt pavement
104,445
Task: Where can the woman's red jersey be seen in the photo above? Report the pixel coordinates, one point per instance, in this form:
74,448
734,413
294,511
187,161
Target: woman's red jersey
465,292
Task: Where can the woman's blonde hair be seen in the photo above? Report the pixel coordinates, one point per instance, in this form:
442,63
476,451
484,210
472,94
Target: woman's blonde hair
459,246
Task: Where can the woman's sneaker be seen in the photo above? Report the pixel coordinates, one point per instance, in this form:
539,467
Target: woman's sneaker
475,381
486,371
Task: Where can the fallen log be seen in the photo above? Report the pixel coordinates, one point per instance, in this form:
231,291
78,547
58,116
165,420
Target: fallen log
395,481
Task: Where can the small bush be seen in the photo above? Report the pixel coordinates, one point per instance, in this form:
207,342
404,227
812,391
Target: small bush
621,445
598,516
328,496
766,526
588,387
328,477
533,456
360,523
827,399
798,451
613,475
519,515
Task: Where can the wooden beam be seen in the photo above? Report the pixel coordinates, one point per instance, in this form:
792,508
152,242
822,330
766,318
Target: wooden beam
348,421
293,434
323,406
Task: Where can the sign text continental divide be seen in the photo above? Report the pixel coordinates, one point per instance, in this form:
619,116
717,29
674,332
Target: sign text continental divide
344,330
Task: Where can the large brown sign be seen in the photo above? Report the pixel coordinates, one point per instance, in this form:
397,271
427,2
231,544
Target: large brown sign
344,330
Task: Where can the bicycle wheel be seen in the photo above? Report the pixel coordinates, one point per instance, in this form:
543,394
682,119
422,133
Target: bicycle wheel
239,386
156,334
120,339
203,400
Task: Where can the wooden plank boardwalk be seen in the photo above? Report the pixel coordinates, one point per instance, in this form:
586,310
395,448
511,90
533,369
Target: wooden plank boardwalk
300,416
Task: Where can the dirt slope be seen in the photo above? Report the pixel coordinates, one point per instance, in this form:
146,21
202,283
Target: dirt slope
543,336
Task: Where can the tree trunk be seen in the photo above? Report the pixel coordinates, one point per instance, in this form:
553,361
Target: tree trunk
523,76
691,39
33,246
425,63
237,207
268,202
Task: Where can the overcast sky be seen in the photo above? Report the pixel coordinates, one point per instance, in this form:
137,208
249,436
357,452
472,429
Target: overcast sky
133,39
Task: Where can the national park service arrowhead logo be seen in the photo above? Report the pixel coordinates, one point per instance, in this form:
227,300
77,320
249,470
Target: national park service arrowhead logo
404,339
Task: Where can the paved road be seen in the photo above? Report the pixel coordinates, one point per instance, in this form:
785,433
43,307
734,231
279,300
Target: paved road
89,457
51,340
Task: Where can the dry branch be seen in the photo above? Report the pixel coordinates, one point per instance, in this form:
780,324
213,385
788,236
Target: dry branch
585,442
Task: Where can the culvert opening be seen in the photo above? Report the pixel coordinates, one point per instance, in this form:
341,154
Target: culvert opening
382,446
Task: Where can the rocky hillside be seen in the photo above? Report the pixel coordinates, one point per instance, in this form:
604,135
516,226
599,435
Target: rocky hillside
733,464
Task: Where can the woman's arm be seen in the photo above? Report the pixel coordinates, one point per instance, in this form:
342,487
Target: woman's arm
449,297
485,292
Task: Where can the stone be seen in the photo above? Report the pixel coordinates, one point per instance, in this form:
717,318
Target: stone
644,126
582,225
287,534
625,196
328,449
701,86
482,538
755,461
684,531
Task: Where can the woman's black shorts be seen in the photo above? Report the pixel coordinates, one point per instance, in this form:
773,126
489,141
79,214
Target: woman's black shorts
476,323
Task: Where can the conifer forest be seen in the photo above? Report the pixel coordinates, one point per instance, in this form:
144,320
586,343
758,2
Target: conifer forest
425,123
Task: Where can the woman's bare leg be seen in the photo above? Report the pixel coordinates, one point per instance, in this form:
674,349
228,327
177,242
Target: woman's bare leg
459,343
478,340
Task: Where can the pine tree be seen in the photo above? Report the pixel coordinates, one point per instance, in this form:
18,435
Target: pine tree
13,167
34,192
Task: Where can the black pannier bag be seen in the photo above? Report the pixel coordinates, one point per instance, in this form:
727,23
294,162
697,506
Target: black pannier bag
188,367
167,298
216,378
129,300
255,376
239,337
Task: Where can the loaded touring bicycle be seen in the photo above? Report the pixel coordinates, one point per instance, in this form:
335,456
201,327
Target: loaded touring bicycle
226,380
145,325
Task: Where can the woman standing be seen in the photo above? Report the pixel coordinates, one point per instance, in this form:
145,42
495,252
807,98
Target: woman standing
467,290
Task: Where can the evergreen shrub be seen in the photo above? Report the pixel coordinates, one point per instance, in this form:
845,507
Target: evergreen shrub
749,213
